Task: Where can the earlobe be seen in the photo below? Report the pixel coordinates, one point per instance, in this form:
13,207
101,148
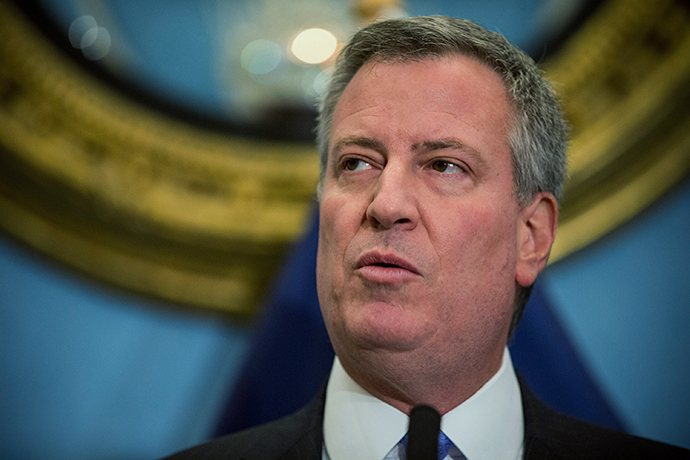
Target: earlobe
536,233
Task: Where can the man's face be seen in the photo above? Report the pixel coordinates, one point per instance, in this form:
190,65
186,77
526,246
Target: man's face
419,226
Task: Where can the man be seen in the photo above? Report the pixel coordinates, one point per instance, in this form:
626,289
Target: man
442,161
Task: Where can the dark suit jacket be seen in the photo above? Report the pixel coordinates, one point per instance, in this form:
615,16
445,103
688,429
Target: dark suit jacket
549,435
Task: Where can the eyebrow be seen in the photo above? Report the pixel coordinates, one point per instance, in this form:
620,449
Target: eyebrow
359,141
426,146
440,144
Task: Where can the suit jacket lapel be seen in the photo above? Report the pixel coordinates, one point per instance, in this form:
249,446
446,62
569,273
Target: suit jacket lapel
308,447
533,409
309,444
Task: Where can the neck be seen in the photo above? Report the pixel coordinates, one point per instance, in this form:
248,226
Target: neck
404,383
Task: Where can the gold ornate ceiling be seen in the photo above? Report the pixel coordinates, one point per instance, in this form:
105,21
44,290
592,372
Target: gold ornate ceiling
118,191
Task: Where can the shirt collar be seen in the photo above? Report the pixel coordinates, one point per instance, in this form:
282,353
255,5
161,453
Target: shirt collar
486,426
357,424
490,424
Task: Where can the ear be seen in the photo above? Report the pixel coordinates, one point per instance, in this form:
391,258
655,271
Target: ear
536,233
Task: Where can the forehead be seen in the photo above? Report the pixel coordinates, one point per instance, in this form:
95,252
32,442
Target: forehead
454,95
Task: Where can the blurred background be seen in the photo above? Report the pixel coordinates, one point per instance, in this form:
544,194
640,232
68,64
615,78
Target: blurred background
157,173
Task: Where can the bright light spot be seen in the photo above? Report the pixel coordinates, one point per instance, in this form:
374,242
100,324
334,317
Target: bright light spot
314,46
92,40
261,57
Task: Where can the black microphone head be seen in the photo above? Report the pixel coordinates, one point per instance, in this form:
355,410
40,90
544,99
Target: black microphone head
422,435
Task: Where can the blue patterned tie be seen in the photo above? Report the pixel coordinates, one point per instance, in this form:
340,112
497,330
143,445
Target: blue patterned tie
444,444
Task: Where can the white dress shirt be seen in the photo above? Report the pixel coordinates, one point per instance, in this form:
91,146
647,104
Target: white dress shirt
487,426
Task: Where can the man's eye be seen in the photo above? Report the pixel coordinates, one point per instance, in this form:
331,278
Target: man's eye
354,164
446,167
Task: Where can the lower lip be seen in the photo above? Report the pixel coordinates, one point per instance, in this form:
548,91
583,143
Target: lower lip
379,274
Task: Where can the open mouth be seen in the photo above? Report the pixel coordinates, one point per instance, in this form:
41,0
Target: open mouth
386,265
377,261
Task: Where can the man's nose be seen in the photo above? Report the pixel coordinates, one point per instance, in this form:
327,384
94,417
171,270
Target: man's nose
394,202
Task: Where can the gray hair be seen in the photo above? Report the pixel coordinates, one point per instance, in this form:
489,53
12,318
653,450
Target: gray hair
538,135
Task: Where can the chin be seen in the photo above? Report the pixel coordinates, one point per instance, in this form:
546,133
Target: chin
383,326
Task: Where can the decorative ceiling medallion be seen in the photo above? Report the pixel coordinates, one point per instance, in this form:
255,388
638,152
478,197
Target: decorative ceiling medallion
131,197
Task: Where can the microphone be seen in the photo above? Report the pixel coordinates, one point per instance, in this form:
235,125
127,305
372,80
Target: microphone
422,435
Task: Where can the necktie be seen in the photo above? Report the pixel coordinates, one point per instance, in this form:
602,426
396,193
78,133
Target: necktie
444,444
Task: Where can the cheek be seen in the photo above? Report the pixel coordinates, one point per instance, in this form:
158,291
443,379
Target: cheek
335,232
326,248
479,250
325,271
477,228
332,230
477,278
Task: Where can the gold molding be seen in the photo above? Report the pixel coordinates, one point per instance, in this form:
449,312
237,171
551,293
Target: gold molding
625,83
129,196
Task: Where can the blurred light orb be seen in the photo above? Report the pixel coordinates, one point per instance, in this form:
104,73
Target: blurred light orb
314,46
261,57
321,81
92,40
314,82
78,29
96,43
